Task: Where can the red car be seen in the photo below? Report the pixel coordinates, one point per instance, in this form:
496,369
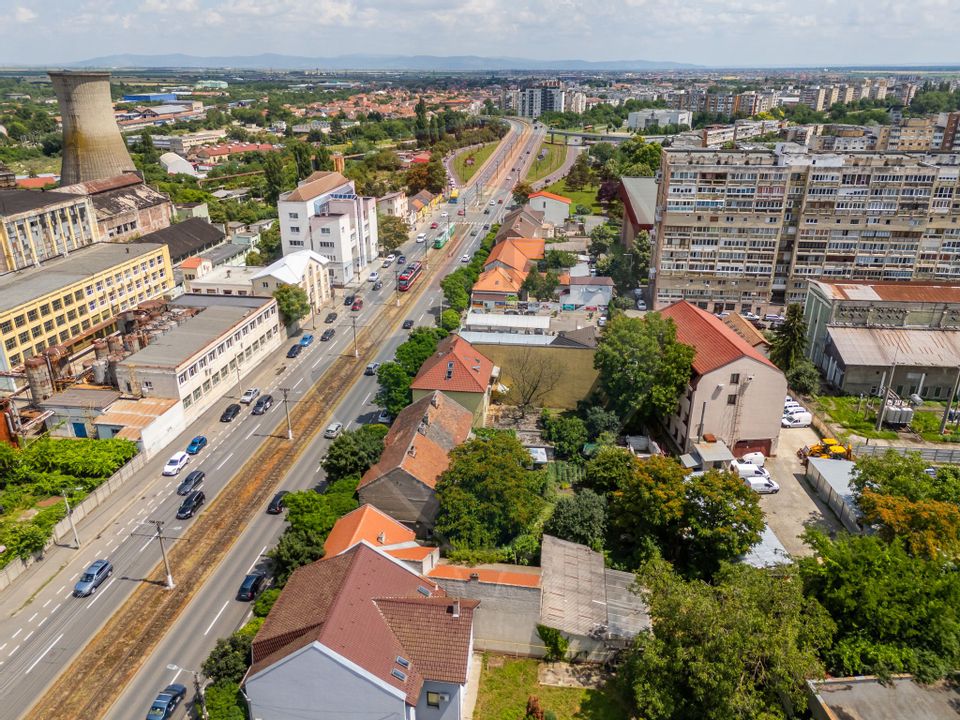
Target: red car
500,201
357,304
461,212
434,226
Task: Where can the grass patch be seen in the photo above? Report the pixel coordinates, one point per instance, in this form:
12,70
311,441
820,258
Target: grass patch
926,423
586,197
37,165
551,162
504,691
465,171
843,411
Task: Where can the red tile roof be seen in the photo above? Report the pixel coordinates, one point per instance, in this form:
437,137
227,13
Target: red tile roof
420,438
366,523
234,148
552,196
369,609
517,253
484,575
35,183
498,279
317,184
716,344
412,553
455,367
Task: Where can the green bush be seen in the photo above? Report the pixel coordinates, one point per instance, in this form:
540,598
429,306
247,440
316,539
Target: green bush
555,643
225,702
261,608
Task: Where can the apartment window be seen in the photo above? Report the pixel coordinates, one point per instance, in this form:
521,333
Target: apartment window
293,216
68,299
45,309
187,402
36,331
197,393
147,385
20,320
732,399
57,305
433,699
325,231
78,295
734,378
296,243
48,325
11,343
14,360
294,228
6,326
32,315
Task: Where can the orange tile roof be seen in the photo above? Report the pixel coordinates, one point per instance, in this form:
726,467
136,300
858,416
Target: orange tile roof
35,183
552,196
500,279
191,263
484,575
411,553
455,367
716,344
517,253
366,523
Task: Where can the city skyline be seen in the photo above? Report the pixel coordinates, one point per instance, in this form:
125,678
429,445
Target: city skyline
710,33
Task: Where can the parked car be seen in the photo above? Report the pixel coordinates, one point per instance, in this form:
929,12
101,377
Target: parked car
372,368
434,225
378,285
789,408
191,504
251,586
474,232
797,420
264,403
191,482
402,260
197,444
230,412
306,340
762,485
327,334
333,430
492,202
421,238
465,259
92,578
407,324
486,211
384,418
388,260
641,304
357,304
348,300
166,702
276,505
373,277
177,462
294,350
249,395
462,211
748,470
499,202
331,317
444,214
754,458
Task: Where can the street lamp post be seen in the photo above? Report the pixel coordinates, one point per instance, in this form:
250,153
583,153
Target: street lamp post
197,688
396,278
286,409
356,351
66,500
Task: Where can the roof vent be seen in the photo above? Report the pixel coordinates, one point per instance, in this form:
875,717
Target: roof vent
412,451
423,591
422,428
435,400
402,661
399,675
382,538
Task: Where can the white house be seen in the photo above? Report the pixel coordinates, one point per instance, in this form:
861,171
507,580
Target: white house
325,214
555,208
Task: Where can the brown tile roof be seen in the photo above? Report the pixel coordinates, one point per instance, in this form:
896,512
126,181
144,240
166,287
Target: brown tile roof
420,438
456,366
892,291
745,329
435,632
365,523
716,345
316,184
370,610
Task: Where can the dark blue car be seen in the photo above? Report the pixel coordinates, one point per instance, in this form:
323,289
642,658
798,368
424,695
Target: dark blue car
167,702
196,445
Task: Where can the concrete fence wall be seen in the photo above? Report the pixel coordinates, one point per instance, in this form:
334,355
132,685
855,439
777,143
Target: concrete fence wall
61,531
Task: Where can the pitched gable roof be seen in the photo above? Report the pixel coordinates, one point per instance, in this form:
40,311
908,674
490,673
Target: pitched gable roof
315,185
365,523
420,438
500,279
745,329
291,268
517,253
370,610
716,344
552,196
186,238
456,366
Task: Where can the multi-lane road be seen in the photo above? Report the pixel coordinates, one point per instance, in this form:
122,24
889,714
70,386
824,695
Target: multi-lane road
38,640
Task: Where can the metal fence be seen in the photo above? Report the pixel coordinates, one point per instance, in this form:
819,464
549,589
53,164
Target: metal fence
938,456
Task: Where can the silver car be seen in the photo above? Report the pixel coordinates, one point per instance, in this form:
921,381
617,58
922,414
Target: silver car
92,577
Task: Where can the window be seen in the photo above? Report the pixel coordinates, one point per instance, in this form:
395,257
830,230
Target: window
20,320
734,378
294,228
732,399
11,343
147,385
32,315
6,326
433,699
293,216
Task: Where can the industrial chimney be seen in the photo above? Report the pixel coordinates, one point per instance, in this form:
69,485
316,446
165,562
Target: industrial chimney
93,148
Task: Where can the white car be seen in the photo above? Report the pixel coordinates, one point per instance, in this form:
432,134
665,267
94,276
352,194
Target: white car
444,214
465,259
250,395
421,237
390,258
176,463
493,202
373,277
333,430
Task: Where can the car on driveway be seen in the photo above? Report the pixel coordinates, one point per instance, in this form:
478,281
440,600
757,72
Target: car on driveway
251,586
348,300
407,324
249,395
276,505
264,403
177,462
92,578
231,411
294,350
357,304
331,317
191,504
197,444
493,202
384,418
191,482
327,334
333,430
166,702
306,340
372,368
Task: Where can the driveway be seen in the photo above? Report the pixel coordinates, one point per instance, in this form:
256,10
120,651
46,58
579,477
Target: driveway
796,506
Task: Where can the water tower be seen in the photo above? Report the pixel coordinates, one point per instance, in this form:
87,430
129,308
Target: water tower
93,148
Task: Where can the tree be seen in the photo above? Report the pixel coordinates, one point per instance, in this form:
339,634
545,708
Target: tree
229,659
273,176
394,392
643,369
804,377
522,192
450,320
894,612
611,467
292,302
303,157
568,434
599,421
416,178
580,174
602,239
487,496
737,648
789,339
560,259
695,525
392,232
224,701
436,175
580,518
532,376
354,452
421,344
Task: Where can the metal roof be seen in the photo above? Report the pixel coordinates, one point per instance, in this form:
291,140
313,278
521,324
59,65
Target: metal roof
533,322
900,292
642,194
900,697
882,347
15,202
769,551
837,473
81,397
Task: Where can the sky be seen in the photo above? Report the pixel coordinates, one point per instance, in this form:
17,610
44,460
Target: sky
762,33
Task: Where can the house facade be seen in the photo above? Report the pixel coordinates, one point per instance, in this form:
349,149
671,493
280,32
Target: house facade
555,208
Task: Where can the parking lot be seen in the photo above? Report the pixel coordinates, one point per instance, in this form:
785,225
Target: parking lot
796,507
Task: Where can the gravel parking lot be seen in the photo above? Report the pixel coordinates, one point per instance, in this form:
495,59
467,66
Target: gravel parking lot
796,507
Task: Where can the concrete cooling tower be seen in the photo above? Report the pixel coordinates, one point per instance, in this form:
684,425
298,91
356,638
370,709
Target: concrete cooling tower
93,148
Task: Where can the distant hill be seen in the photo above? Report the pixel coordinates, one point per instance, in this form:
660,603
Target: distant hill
423,63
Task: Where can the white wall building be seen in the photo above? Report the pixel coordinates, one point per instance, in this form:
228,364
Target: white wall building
547,97
642,119
324,214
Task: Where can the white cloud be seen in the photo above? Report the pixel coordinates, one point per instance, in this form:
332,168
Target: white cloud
24,14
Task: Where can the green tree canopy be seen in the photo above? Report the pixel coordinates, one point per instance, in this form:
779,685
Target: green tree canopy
567,433
804,377
273,175
579,518
292,302
392,232
229,659
643,369
421,344
522,192
789,339
394,392
354,452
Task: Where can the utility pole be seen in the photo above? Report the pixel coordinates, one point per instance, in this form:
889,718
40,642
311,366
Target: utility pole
198,690
396,279
159,525
76,538
287,411
239,386
356,351
953,396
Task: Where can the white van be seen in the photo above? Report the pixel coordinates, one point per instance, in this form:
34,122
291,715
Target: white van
791,406
754,458
749,471
764,486
797,420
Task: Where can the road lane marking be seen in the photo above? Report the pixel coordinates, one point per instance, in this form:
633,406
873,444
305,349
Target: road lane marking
3,646
14,637
27,636
366,398
217,617
145,545
57,607
259,555
100,594
249,435
142,511
42,621
319,360
224,461
176,674
43,654
297,383
33,616
13,651
62,588
47,603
